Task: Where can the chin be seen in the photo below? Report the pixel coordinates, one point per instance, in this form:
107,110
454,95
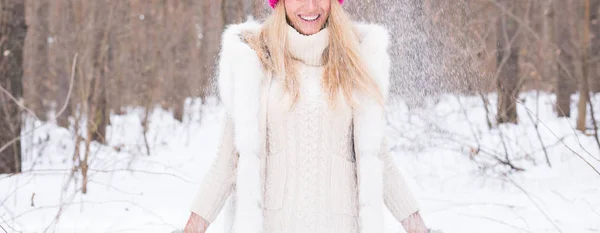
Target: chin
309,29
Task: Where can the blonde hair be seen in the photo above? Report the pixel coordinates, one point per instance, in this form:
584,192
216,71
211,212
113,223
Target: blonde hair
344,68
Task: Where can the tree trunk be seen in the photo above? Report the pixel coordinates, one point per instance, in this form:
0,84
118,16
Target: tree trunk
90,108
564,79
233,11
98,120
550,71
35,77
583,84
102,113
12,40
594,65
508,79
563,95
491,57
212,26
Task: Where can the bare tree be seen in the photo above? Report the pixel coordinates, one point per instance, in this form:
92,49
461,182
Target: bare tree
583,83
594,60
100,61
550,65
36,80
233,11
212,22
566,53
508,80
13,30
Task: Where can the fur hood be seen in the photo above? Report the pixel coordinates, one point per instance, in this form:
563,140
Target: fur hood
242,83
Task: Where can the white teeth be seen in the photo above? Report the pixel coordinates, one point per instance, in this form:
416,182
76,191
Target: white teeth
309,18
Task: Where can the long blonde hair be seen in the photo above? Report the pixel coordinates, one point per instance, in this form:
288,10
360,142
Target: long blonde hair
344,68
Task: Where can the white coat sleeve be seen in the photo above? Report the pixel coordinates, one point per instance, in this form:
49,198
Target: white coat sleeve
218,182
397,196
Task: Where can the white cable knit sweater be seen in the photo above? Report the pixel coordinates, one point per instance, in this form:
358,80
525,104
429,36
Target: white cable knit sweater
311,180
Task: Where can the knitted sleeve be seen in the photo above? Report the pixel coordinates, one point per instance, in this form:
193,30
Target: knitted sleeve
397,196
219,180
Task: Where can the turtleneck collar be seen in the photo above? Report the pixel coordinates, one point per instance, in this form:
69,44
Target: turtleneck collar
308,49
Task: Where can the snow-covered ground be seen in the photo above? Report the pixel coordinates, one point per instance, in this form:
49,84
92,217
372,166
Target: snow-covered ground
446,150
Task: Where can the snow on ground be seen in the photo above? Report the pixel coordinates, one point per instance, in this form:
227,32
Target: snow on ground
445,149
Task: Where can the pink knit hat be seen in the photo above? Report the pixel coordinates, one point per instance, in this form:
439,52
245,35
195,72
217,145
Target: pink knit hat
272,3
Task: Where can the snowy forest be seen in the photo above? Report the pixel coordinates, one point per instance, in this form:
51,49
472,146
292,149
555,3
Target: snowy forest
109,113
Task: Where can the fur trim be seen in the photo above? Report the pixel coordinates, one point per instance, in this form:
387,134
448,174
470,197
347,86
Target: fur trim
369,125
369,116
240,78
374,48
370,186
249,212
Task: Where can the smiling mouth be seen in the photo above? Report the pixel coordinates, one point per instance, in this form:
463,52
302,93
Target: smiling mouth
310,18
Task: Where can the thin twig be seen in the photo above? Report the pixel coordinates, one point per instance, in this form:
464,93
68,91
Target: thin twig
537,130
576,134
13,191
497,221
106,171
114,188
486,102
73,66
504,145
9,226
535,203
594,121
19,103
464,111
94,202
15,139
145,125
141,171
568,147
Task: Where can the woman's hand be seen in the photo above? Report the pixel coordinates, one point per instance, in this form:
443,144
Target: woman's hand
414,224
196,224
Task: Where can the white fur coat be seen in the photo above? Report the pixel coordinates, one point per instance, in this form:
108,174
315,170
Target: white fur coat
242,83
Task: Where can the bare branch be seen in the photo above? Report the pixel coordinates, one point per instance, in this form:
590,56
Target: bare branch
19,103
106,171
535,203
73,66
497,221
568,147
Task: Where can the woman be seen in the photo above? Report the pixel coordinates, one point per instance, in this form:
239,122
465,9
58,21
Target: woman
303,144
